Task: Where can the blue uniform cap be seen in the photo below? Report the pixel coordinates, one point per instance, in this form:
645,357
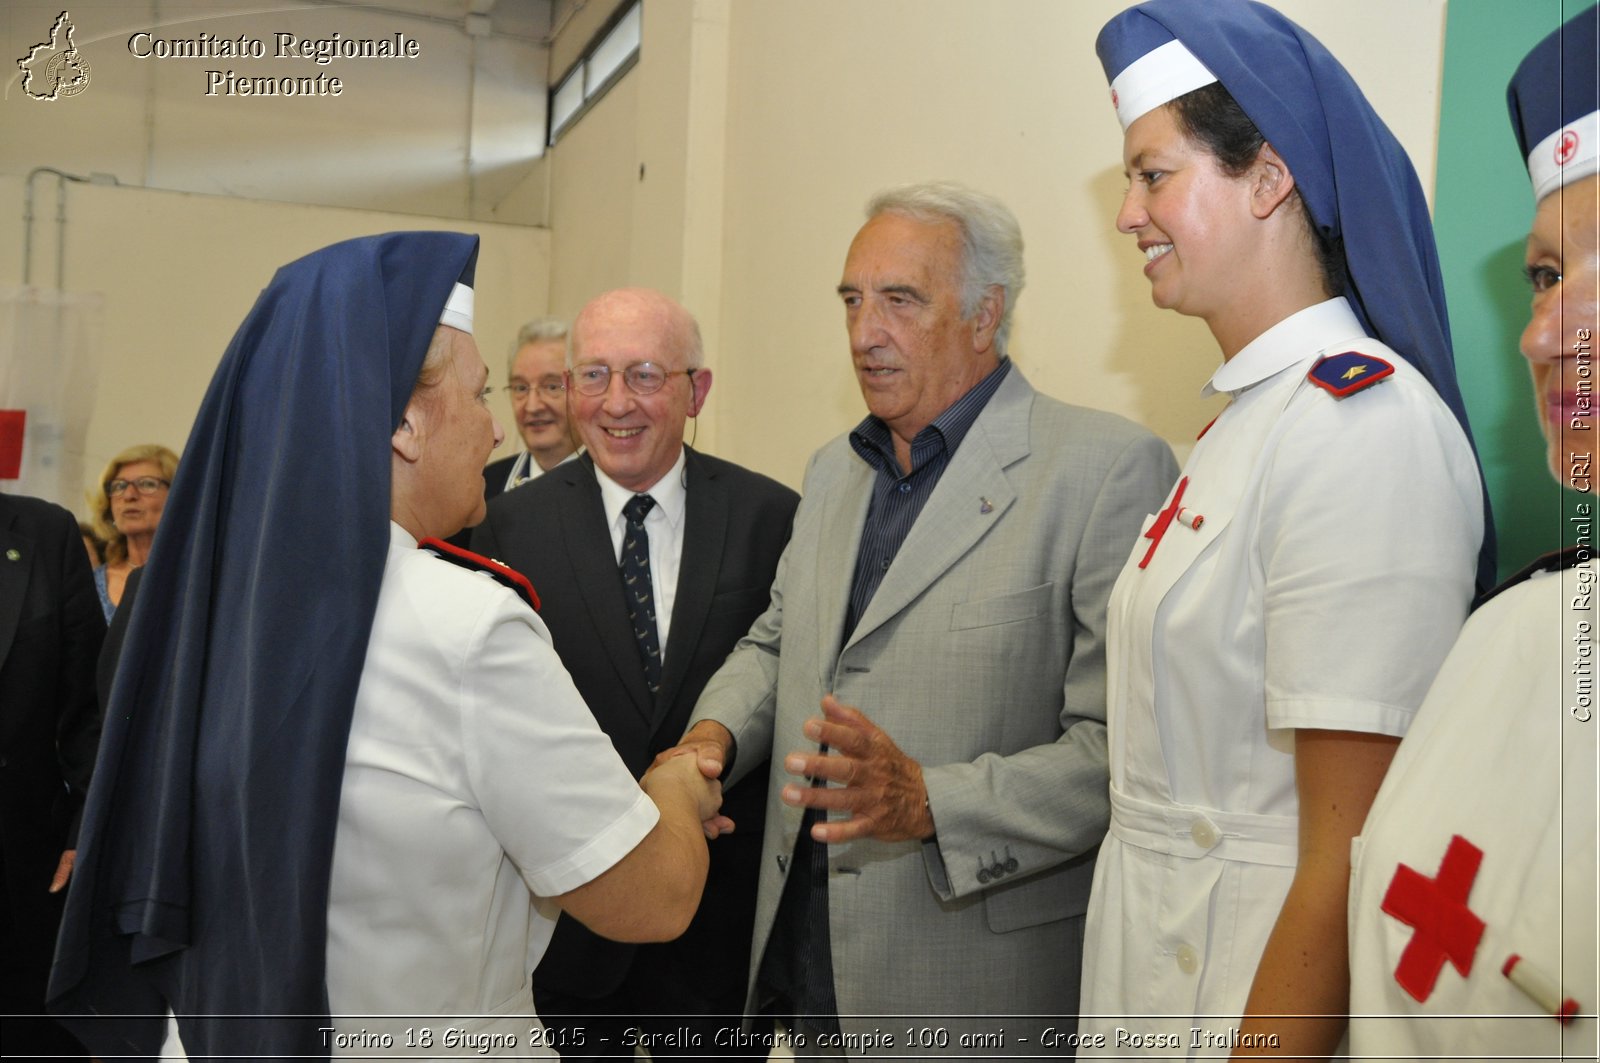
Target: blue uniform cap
1554,99
1355,179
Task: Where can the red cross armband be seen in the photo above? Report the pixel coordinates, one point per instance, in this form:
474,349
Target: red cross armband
1342,375
503,574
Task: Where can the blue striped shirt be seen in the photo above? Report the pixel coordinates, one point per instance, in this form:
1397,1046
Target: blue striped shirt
898,497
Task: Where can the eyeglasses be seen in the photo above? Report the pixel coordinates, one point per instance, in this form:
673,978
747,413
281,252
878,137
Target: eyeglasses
551,387
642,378
147,485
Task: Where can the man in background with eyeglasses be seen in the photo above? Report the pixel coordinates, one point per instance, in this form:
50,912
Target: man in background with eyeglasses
537,387
652,560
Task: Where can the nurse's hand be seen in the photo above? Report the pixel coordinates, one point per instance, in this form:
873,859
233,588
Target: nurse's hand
678,766
881,787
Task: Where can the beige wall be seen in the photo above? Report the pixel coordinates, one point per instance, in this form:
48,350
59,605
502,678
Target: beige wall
456,132
179,271
825,101
728,168
216,193
637,185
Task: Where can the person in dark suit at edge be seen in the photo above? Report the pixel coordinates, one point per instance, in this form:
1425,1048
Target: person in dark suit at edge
688,545
50,632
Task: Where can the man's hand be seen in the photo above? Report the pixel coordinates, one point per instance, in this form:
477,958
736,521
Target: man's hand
709,741
883,788
699,759
63,870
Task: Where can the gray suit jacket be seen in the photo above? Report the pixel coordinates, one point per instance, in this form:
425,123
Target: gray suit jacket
982,655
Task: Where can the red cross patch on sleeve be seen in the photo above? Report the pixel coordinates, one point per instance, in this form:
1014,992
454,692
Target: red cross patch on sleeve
1342,375
1436,909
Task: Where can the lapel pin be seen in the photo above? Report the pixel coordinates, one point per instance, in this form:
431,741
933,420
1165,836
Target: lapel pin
13,554
1190,519
985,506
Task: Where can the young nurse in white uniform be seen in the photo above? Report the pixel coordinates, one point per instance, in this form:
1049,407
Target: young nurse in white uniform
1275,630
1472,903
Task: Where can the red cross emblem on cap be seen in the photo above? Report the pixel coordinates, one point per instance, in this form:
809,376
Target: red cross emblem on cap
1567,147
1437,909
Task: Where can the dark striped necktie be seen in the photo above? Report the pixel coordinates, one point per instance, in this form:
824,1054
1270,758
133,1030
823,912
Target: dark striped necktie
637,589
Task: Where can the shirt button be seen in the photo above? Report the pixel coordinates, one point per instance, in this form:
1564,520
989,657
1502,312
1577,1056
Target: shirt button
884,564
905,488
1203,833
1188,959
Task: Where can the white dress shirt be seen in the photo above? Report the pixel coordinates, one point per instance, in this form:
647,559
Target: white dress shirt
525,469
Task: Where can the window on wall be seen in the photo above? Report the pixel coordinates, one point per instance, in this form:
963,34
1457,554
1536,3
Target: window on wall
609,56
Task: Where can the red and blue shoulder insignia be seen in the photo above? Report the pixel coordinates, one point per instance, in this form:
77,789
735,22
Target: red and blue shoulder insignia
1342,375
503,574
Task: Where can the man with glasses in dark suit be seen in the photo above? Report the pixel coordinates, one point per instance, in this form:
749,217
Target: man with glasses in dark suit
536,383
652,560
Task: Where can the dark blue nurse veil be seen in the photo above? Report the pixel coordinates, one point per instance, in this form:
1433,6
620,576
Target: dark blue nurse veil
204,859
1355,179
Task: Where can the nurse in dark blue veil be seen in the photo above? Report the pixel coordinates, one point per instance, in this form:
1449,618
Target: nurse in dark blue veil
203,868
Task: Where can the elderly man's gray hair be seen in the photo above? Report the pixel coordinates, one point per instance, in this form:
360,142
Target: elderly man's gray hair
539,330
991,239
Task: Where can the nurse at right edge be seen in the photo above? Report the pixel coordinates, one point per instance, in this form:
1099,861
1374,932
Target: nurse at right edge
1275,629
1488,815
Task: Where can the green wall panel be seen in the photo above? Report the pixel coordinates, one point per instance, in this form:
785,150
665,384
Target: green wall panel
1482,209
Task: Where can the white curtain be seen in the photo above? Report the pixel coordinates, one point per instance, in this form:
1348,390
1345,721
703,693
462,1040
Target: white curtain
49,363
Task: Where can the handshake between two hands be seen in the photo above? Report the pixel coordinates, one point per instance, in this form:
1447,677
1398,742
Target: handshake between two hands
878,785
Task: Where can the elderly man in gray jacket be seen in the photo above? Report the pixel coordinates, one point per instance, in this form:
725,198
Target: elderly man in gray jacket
930,853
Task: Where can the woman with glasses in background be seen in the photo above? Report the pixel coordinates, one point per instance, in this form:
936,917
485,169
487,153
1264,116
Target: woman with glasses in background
127,506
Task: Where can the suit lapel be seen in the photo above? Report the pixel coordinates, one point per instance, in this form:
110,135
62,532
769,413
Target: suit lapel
844,516
972,497
13,578
705,532
594,571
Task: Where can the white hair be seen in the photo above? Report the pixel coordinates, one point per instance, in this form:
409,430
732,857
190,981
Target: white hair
991,239
539,330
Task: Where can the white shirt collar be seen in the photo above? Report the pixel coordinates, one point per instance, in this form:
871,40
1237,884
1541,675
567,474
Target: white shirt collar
525,468
1287,343
669,493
